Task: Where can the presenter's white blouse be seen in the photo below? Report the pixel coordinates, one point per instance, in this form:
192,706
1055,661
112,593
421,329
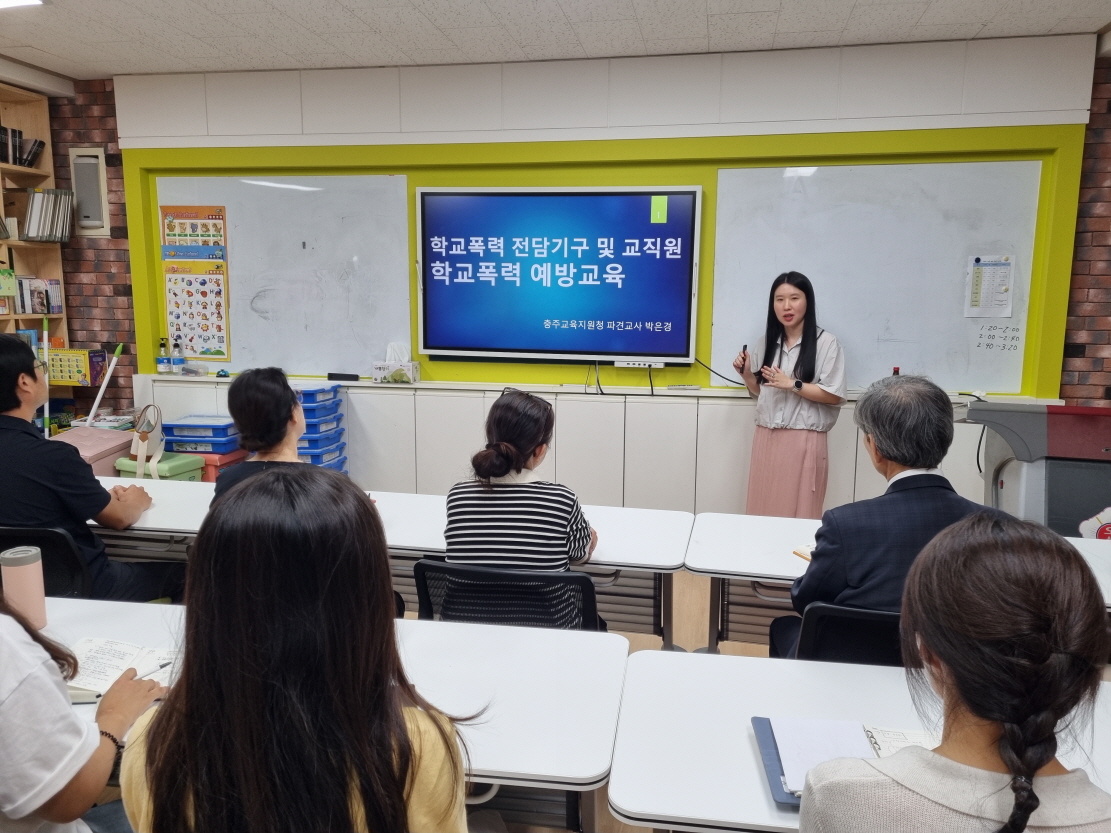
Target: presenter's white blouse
786,409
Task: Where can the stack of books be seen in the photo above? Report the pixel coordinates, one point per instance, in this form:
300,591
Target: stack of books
37,296
38,215
13,151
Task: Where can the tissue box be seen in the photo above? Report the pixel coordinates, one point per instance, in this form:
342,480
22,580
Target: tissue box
395,372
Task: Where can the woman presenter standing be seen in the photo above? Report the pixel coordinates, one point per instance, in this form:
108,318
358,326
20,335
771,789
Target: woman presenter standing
797,374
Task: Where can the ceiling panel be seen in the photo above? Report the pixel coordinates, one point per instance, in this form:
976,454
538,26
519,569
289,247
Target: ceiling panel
97,38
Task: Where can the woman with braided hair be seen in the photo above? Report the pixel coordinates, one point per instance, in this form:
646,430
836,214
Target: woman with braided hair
1005,622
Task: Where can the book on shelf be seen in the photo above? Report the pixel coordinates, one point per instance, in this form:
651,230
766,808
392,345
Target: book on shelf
34,149
15,145
31,337
32,296
41,215
4,152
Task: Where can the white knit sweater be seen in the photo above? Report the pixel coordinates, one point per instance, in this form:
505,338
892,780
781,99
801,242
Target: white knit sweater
917,790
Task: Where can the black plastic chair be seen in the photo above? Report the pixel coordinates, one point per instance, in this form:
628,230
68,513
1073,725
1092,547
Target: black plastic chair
496,596
63,570
398,605
832,633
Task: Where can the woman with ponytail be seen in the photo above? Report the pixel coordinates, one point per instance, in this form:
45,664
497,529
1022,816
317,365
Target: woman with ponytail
797,376
507,516
1005,622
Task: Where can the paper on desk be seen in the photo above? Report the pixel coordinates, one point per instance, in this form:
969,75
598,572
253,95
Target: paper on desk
887,742
101,661
804,743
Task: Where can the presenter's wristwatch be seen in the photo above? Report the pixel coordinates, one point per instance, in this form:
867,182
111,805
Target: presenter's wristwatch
798,385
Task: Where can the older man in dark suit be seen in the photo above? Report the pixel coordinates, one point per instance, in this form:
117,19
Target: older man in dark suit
864,550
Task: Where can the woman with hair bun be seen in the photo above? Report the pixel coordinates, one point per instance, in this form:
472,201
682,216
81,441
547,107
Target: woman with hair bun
1005,622
268,416
507,516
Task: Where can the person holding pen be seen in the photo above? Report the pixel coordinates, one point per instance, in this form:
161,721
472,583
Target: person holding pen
797,375
54,764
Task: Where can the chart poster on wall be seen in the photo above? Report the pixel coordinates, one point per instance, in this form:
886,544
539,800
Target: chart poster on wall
568,273
196,307
989,280
193,225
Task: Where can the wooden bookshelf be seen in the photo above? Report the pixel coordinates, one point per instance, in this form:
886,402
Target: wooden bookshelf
28,111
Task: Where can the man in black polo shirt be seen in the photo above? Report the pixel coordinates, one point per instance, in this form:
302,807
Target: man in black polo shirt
45,483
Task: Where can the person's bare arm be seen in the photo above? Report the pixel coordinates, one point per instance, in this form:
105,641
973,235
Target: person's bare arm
120,707
125,507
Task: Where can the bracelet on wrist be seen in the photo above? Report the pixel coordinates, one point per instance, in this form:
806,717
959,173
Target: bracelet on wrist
116,742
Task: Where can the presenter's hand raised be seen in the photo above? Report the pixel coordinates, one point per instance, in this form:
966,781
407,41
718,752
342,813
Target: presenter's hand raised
777,378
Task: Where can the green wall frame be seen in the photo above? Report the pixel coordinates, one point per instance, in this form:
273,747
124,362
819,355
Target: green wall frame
692,161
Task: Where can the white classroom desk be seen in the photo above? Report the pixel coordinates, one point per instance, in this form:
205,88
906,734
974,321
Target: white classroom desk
686,757
640,540
551,696
758,548
747,547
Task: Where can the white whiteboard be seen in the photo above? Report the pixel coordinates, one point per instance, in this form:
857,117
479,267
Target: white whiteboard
887,248
317,267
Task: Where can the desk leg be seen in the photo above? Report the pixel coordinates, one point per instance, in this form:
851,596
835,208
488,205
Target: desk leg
667,606
587,820
714,634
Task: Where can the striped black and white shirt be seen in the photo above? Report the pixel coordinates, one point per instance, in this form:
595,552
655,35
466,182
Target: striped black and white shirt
518,521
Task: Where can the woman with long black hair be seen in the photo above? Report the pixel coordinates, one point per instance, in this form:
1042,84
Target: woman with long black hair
797,375
1003,621
292,713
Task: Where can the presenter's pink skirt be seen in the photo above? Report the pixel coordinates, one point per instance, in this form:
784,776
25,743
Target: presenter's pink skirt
788,472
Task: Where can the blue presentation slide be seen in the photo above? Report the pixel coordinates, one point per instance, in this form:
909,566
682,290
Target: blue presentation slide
559,273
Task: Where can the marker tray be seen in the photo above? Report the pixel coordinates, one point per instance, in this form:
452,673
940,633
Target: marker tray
315,442
208,445
322,425
199,425
321,456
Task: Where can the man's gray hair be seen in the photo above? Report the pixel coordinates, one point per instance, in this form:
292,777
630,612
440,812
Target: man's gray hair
909,418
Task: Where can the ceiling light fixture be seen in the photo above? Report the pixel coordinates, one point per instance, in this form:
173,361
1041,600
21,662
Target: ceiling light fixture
273,184
9,4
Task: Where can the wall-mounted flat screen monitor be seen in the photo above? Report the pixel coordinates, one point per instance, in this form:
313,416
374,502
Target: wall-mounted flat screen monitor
590,274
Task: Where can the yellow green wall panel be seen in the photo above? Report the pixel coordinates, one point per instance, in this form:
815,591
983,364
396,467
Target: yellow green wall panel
693,161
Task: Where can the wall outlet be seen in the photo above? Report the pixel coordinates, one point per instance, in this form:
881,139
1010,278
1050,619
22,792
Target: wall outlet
638,364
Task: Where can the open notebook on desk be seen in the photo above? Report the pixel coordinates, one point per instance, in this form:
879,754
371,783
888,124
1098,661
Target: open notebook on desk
790,747
100,662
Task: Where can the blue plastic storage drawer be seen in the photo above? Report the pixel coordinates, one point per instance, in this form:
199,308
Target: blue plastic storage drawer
312,393
322,425
321,456
200,425
206,445
339,464
319,410
315,442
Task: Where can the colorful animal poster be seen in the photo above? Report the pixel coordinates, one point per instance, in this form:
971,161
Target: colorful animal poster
195,268
197,308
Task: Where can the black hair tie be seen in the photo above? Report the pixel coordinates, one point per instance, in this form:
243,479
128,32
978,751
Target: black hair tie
1021,782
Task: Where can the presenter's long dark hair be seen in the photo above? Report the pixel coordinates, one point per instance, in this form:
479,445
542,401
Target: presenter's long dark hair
1015,617
288,714
806,366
